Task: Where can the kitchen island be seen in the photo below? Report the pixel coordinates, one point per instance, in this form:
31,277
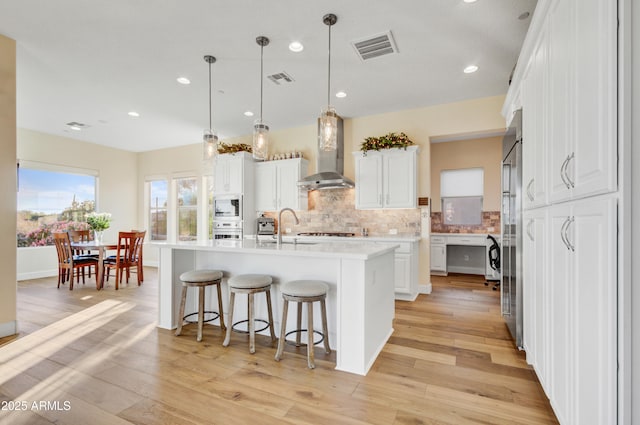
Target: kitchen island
360,302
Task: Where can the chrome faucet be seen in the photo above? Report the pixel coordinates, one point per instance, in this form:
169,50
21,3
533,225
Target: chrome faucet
280,222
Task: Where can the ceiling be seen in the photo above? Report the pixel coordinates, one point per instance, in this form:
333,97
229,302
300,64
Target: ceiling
94,61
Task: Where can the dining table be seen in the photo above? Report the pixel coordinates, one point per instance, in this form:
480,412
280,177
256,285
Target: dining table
101,248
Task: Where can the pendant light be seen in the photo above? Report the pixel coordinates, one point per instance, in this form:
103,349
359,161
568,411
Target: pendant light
210,138
328,134
260,130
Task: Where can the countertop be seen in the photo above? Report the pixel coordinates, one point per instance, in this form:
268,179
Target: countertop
389,238
303,248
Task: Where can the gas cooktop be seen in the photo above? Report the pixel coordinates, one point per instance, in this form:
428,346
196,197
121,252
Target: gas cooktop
340,234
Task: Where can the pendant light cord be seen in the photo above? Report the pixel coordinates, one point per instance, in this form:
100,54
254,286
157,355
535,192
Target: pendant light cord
210,114
261,78
329,72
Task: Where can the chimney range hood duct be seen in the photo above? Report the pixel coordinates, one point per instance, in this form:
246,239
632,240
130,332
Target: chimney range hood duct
330,167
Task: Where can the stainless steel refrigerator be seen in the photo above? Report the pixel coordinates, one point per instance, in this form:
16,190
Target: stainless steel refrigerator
511,261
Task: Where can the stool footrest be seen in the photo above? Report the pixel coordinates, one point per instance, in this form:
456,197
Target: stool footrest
301,344
184,319
240,331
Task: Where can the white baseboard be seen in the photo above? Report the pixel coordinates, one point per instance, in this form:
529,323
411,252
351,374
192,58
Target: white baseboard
425,288
8,328
466,270
37,275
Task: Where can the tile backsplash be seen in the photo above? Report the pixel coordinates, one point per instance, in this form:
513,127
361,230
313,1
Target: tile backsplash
490,219
334,210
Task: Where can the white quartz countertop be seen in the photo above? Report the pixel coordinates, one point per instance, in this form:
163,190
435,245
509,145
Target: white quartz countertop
390,238
338,249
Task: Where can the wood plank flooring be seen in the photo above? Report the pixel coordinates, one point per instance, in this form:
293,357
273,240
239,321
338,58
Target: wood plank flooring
98,358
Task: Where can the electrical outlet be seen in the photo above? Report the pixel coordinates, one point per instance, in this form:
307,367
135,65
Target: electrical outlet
491,229
393,231
287,230
466,258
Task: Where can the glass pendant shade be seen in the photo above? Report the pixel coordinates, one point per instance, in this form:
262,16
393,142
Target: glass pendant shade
209,145
328,134
260,146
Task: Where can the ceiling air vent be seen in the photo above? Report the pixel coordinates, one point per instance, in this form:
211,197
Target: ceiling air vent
280,77
375,46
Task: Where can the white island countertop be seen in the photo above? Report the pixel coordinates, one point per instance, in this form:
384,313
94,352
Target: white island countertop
303,248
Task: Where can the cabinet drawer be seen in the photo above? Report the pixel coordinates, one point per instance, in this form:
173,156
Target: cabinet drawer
466,240
438,239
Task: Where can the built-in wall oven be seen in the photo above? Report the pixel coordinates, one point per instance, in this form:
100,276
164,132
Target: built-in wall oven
227,229
227,207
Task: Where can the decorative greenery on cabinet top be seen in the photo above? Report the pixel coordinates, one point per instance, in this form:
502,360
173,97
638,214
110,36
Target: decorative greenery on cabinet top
237,147
388,141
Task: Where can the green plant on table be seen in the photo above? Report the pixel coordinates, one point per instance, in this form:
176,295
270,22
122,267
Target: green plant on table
99,221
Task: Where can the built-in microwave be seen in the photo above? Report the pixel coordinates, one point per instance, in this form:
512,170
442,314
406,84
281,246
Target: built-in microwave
228,207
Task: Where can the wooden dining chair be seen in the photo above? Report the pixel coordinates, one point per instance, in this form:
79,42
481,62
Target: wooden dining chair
69,263
128,255
82,236
140,268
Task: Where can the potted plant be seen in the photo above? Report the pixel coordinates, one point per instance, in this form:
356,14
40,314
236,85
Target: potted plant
98,222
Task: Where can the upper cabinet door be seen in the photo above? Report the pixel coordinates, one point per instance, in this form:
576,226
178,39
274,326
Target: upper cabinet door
289,195
399,184
229,174
266,186
593,169
386,178
368,181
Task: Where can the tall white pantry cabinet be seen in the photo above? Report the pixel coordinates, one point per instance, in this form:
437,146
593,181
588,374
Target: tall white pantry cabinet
567,89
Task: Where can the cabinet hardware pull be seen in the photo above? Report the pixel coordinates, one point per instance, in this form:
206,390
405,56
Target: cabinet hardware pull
566,234
529,194
529,230
569,158
380,199
562,172
563,232
387,199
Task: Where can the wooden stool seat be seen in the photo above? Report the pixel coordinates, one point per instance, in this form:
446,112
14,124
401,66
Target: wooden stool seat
250,284
200,279
304,291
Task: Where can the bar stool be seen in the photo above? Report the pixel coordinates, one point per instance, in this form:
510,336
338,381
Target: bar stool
304,291
250,284
200,279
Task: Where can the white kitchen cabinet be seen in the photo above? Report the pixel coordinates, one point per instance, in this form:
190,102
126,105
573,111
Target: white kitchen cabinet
276,184
229,172
406,271
581,116
534,138
536,293
438,254
583,307
386,178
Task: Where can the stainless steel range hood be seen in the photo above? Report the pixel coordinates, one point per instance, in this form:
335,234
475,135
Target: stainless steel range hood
330,168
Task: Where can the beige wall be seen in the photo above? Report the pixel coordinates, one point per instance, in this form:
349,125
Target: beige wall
8,289
477,153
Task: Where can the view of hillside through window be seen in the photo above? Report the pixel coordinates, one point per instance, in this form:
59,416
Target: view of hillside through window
51,201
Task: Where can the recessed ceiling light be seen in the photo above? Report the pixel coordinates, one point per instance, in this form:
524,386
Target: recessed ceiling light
134,114
470,69
248,114
75,127
296,46
183,80
341,94
523,16
470,1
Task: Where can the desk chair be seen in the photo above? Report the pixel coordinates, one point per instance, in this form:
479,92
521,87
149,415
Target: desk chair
494,262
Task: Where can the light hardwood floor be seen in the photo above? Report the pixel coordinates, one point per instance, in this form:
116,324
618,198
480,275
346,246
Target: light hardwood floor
98,358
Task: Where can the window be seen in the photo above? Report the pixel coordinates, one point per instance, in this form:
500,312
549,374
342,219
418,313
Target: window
187,193
158,210
461,194
52,199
